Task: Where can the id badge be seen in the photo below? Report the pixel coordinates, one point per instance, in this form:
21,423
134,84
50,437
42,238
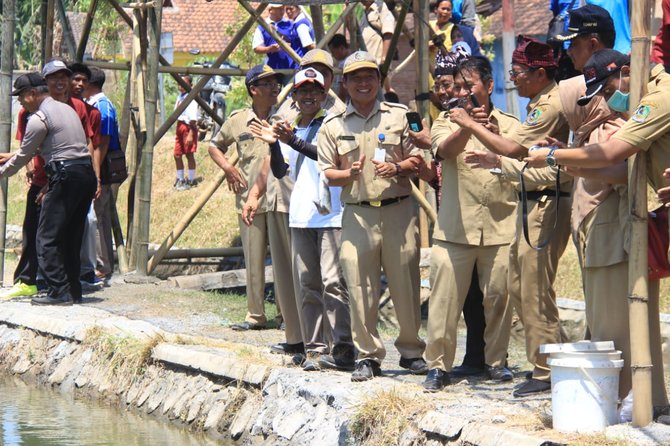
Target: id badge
380,155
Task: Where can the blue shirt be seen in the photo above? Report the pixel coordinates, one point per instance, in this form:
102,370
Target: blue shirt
108,123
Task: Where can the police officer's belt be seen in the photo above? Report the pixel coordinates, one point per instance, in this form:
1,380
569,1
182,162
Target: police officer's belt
539,194
74,162
380,203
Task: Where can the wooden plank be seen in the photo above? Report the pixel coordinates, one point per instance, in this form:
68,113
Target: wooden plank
217,281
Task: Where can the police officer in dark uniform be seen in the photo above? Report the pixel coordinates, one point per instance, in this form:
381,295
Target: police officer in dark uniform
54,131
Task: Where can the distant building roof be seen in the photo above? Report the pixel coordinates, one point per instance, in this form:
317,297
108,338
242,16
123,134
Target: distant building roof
200,24
531,17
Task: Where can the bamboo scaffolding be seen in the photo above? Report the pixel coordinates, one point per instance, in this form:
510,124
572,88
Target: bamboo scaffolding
336,26
195,90
67,29
317,21
638,285
421,36
6,66
143,215
86,30
188,217
400,21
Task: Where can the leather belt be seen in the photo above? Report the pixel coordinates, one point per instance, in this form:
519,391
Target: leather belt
74,162
381,203
538,195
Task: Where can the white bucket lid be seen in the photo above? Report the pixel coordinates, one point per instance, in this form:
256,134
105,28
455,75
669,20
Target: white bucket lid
586,363
581,346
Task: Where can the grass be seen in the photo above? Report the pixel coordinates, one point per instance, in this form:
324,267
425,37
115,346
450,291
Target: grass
383,416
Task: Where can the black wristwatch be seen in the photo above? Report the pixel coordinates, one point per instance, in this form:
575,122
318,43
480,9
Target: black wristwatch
551,159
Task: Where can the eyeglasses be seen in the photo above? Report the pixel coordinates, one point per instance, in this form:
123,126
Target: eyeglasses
270,85
442,87
513,74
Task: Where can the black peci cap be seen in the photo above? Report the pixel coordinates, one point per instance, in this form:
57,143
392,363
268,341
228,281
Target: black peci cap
599,67
587,20
28,80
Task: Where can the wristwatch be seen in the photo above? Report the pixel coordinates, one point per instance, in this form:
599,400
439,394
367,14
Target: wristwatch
551,160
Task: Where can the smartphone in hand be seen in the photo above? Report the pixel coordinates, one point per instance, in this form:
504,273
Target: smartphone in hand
414,120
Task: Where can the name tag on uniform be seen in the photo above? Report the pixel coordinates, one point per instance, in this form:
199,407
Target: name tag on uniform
380,155
347,137
246,136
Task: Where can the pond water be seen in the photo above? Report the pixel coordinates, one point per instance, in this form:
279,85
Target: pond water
31,416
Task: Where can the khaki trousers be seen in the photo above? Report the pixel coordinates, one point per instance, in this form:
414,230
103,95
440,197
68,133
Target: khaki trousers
320,289
606,291
532,274
451,266
372,238
104,241
273,227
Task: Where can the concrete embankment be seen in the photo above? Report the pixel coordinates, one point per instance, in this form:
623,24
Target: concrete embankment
237,392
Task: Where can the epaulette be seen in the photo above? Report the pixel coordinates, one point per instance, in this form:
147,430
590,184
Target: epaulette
509,115
234,112
331,116
395,104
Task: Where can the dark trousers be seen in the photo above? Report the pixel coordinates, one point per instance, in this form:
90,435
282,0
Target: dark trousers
26,270
61,226
475,323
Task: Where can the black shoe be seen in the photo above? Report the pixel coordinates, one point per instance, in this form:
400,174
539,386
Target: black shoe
366,370
77,300
244,326
298,359
529,375
499,373
311,363
436,380
467,370
288,349
417,366
337,363
48,300
531,387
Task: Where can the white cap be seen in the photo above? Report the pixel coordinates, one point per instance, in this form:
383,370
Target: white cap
308,75
54,67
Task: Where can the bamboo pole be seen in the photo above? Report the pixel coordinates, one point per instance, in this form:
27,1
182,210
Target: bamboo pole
511,94
67,29
86,30
6,66
402,65
641,364
146,166
188,217
317,21
400,21
124,119
195,90
421,36
336,26
420,197
43,30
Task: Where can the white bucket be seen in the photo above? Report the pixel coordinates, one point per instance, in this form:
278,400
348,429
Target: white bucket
584,386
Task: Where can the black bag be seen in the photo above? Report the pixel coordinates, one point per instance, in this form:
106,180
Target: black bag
558,23
113,169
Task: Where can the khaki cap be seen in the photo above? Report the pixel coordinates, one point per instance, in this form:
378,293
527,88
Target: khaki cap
317,55
359,60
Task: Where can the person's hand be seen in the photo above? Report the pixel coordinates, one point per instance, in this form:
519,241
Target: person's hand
249,210
384,169
41,194
274,48
29,177
98,191
189,139
491,127
537,157
482,159
421,139
235,181
356,167
5,156
461,117
479,115
663,194
283,131
263,131
427,171
549,141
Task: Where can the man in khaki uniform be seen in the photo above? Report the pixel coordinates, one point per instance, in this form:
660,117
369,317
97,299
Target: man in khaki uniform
532,272
271,221
647,129
366,150
474,230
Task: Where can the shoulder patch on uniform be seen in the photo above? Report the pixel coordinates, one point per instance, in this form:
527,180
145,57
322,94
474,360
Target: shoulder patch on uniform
533,117
641,113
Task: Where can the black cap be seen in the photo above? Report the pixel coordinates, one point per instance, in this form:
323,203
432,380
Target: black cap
587,20
261,72
599,67
29,80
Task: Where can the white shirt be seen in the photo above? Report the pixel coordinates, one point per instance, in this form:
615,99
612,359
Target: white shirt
303,31
306,191
190,113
